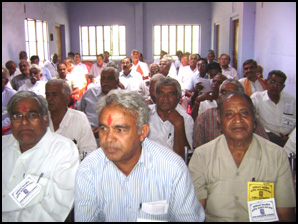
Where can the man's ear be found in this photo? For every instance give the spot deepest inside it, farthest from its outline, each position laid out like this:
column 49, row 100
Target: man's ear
column 144, row 132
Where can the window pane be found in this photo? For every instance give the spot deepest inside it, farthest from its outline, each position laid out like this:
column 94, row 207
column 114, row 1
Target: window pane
column 26, row 30
column 107, row 38
column 172, row 50
column 99, row 40
column 188, row 39
column 84, row 35
column 39, row 34
column 115, row 43
column 122, row 37
column 180, row 38
column 165, row 38
column 92, row 40
column 45, row 41
column 157, row 40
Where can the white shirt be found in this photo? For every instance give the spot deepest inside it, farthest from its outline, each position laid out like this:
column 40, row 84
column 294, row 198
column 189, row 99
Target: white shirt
column 206, row 104
column 52, row 67
column 230, row 73
column 75, row 126
column 78, row 77
column 144, row 67
column 7, row 93
column 196, row 78
column 132, row 81
column 276, row 118
column 83, row 66
column 184, row 75
column 39, row 87
column 96, row 70
column 162, row 132
column 55, row 156
column 177, row 63
column 255, row 86
column 144, row 89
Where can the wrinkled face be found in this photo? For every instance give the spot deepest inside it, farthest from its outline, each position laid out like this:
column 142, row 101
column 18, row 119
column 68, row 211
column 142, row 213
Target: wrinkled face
column 108, row 81
column 164, row 68
column 62, row 70
column 193, row 60
column 34, row 75
column 55, row 97
column 216, row 82
column 100, row 61
column 202, row 66
column 135, row 56
column 154, row 70
column 224, row 60
column 166, row 98
column 28, row 133
column 250, row 71
column 275, row 85
column 237, row 120
column 118, row 134
column 24, row 67
column 126, row 65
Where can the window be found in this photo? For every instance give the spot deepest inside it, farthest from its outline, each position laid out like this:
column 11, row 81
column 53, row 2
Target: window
column 97, row 39
column 171, row 38
column 36, row 36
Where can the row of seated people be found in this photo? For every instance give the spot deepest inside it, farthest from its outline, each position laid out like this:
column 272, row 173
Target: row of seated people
column 170, row 125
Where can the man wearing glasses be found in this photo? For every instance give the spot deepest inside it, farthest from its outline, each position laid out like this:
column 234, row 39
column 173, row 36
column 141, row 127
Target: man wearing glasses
column 276, row 110
column 38, row 166
column 131, row 79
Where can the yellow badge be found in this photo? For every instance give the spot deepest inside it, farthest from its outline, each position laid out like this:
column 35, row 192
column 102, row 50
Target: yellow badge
column 260, row 190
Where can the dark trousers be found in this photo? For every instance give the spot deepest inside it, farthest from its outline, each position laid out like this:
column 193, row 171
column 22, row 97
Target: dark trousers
column 276, row 139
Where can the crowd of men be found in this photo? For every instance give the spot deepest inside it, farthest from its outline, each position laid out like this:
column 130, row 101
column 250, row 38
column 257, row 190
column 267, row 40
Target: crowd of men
column 95, row 142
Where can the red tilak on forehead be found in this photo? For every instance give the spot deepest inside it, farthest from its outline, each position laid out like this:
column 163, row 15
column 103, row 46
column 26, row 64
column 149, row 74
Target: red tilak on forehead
column 24, row 108
column 109, row 120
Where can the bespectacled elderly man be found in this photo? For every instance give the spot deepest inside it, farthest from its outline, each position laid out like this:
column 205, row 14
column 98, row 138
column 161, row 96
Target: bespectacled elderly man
column 38, row 166
column 239, row 167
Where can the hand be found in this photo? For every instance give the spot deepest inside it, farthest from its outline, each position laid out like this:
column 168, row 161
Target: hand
column 199, row 86
column 174, row 117
column 204, row 96
column 283, row 137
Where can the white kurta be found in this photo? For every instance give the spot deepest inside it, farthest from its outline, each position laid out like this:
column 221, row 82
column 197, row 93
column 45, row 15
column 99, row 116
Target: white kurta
column 55, row 156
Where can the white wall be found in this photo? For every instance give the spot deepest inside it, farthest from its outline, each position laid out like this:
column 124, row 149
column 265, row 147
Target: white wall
column 275, row 40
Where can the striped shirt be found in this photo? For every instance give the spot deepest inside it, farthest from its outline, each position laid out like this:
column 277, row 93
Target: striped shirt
column 104, row 193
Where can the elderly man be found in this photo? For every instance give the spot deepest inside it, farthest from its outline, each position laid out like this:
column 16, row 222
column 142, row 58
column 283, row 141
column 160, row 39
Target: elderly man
column 185, row 73
column 276, row 109
column 149, row 182
column 38, row 166
column 139, row 66
column 46, row 74
column 35, row 85
column 19, row 80
column 170, row 126
column 77, row 60
column 227, row 70
column 52, row 65
column 206, row 127
column 130, row 79
column 98, row 66
column 68, row 122
column 109, row 80
column 236, row 168
column 251, row 82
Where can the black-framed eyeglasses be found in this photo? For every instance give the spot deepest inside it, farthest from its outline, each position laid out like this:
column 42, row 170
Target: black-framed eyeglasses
column 273, row 82
column 30, row 116
column 154, row 70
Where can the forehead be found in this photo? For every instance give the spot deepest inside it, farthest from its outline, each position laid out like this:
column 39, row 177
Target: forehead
column 62, row 66
column 233, row 102
column 229, row 87
column 224, row 57
column 54, row 88
column 22, row 63
column 249, row 65
column 29, row 103
column 167, row 88
column 107, row 73
column 154, row 67
column 276, row 78
column 117, row 114
column 201, row 62
column 126, row 60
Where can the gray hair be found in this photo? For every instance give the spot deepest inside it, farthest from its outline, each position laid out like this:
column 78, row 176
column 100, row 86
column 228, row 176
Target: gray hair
column 65, row 86
column 235, row 82
column 240, row 94
column 128, row 100
column 112, row 64
column 168, row 81
column 20, row 95
column 111, row 69
column 157, row 77
column 167, row 60
column 37, row 67
column 153, row 64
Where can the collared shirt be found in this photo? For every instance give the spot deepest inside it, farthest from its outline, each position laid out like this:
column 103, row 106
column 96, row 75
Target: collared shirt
column 67, row 79
column 54, row 155
column 76, row 127
column 87, row 104
column 144, row 88
column 207, row 104
column 7, row 93
column 104, row 193
column 96, row 70
column 46, row 74
column 230, row 73
column 132, row 81
column 162, row 132
column 143, row 66
column 184, row 75
column 78, row 77
column 18, row 81
column 224, row 186
column 52, row 67
column 196, row 78
column 255, row 86
column 83, row 66
column 276, row 118
column 206, row 128
column 39, row 87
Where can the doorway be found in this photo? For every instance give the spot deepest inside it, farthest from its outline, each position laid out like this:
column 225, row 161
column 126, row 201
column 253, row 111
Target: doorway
column 235, row 25
column 58, row 43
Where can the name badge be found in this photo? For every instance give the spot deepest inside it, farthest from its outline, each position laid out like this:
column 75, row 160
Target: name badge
column 25, row 191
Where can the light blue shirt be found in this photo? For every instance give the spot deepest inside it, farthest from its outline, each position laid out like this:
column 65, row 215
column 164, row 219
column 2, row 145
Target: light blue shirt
column 104, row 193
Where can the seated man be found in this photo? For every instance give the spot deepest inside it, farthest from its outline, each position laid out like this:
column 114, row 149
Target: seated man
column 227, row 69
column 35, row 85
column 38, row 166
column 130, row 79
column 52, row 65
column 251, row 82
column 130, row 176
column 225, row 169
column 170, row 126
column 206, row 127
column 138, row 65
column 68, row 122
column 276, row 110
column 19, row 80
column 46, row 74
